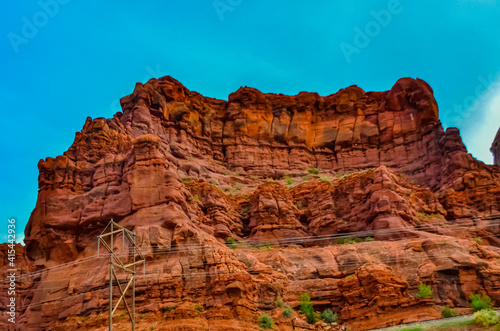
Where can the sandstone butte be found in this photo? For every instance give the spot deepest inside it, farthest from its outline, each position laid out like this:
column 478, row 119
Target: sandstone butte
column 495, row 149
column 186, row 172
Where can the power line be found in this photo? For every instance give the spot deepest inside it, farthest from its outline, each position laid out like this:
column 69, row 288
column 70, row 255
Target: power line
column 292, row 240
column 205, row 264
column 216, row 273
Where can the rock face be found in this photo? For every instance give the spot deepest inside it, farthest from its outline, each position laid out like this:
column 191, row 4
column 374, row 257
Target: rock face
column 495, row 149
column 354, row 198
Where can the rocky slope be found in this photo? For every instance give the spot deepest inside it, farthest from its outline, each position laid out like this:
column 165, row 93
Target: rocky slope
column 289, row 178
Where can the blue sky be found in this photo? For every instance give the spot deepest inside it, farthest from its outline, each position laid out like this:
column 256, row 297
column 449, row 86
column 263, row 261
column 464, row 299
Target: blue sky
column 80, row 57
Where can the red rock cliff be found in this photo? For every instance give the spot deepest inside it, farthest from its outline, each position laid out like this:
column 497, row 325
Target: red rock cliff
column 187, row 172
column 495, row 149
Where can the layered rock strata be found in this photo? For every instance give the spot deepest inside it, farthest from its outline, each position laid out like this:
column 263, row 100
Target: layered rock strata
column 495, row 149
column 354, row 198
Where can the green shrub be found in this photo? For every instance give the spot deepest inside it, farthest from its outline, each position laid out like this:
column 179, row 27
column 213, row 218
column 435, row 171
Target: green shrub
column 231, row 243
column 82, row 319
column 479, row 302
column 486, row 318
column 238, row 186
column 122, row 314
column 305, row 297
column 328, row 316
column 287, row 311
column 341, row 241
column 254, row 177
column 265, row 246
column 423, row 216
column 350, row 241
column 306, row 306
column 325, row 179
column 456, row 325
column 448, row 312
column 266, row 322
column 313, row 171
column 310, row 315
column 424, row 291
column 279, row 303
column 289, row 181
column 198, row 308
column 340, row 175
column 479, row 240
column 369, row 239
column 188, row 180
column 169, row 308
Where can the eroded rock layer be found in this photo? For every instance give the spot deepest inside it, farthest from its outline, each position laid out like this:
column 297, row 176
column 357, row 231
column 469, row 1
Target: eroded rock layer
column 495, row 149
column 355, row 198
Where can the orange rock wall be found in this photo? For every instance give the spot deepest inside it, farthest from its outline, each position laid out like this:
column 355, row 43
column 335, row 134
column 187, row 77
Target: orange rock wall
column 186, row 172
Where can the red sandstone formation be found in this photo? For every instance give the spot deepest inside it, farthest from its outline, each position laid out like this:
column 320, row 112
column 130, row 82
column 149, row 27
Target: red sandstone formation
column 495, row 149
column 187, row 172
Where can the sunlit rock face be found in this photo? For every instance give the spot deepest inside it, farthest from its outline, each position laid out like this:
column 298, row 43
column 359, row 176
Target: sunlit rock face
column 186, row 172
column 495, row 149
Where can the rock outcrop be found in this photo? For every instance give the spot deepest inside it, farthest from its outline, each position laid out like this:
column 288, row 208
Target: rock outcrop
column 354, row 198
column 495, row 149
